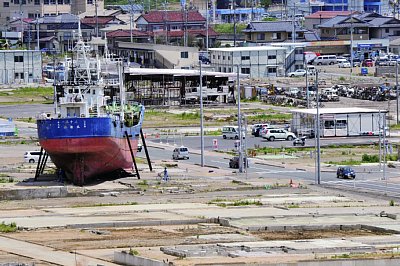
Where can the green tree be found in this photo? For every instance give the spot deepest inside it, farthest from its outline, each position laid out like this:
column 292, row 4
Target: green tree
column 265, row 3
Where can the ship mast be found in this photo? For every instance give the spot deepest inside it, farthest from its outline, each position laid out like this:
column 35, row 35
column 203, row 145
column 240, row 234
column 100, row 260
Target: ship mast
column 121, row 90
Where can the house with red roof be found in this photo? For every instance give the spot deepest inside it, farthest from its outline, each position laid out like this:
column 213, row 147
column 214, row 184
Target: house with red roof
column 174, row 27
column 101, row 21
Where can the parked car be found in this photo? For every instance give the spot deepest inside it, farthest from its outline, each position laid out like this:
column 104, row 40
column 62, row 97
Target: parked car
column 356, row 62
column 297, row 73
column 343, row 63
column 180, row 153
column 367, row 63
column 33, row 156
column 382, row 62
column 325, row 60
column 299, row 141
column 231, row 132
column 276, row 133
column 234, row 162
column 255, row 129
column 345, row 172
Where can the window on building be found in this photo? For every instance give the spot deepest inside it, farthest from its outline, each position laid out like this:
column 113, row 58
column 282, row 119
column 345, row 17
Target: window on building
column 23, row 2
column 184, row 54
column 6, row 4
column 67, row 2
column 90, row 2
column 272, row 70
column 229, row 69
column 272, row 56
column 341, row 124
column 245, row 70
column 60, row 2
column 219, row 57
column 386, row 30
column 225, row 69
column 245, row 57
column 52, row 2
column 229, row 58
column 276, row 36
column 329, row 124
column 46, row 2
column 260, row 36
column 18, row 58
column 213, row 56
column 16, row 2
column 223, row 57
column 37, row 2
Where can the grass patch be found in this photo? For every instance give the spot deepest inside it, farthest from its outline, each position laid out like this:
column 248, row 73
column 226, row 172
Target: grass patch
column 29, row 95
column 105, row 204
column 346, row 162
column 27, row 120
column 238, row 203
column 270, row 117
column 6, row 179
column 8, row 228
column 228, row 28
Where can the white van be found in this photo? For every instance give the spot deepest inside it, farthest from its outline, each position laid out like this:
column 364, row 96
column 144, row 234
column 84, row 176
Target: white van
column 231, row 132
column 180, row 153
column 325, row 60
column 33, row 156
column 311, row 69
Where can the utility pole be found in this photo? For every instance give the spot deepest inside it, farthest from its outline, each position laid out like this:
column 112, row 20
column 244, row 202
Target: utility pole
column 307, row 89
column 131, row 19
column 318, row 148
column 37, row 33
column 351, row 45
column 201, row 117
column 384, row 147
column 397, row 93
column 97, row 19
column 239, row 115
column 207, row 28
column 380, row 141
column 233, row 8
column 294, row 24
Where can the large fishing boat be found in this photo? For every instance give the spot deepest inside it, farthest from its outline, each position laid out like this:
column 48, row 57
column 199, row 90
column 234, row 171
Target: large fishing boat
column 95, row 129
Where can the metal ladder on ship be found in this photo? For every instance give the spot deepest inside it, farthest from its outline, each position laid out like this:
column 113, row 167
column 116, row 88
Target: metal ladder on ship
column 133, row 156
column 41, row 163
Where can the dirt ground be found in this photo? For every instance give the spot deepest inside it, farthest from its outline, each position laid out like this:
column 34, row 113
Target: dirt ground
column 107, row 238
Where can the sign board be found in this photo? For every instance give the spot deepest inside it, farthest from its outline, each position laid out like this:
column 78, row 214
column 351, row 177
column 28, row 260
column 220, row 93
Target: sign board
column 327, row 116
column 215, row 143
column 364, row 71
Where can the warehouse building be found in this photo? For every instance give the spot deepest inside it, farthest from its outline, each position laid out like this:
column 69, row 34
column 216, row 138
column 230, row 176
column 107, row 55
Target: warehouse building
column 336, row 122
column 20, row 66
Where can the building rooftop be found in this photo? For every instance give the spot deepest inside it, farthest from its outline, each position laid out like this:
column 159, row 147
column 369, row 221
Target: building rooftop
column 172, row 16
column 248, row 49
column 347, row 110
column 329, row 14
column 273, row 26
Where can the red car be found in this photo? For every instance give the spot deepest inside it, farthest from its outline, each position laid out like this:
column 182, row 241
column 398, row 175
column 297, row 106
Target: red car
column 367, row 63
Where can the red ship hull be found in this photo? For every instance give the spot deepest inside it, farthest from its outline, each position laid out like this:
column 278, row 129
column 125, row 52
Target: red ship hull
column 85, row 158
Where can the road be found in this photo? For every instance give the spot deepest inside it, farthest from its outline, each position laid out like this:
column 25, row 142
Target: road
column 193, row 142
column 368, row 177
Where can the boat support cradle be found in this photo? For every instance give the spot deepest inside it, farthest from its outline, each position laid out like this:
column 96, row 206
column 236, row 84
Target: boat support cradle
column 133, row 156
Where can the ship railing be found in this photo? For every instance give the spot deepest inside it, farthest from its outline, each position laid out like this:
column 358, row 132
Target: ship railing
column 111, row 81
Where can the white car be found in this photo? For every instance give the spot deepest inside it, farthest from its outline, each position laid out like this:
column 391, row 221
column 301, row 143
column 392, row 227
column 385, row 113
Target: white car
column 298, row 73
column 277, row 133
column 180, row 153
column 343, row 63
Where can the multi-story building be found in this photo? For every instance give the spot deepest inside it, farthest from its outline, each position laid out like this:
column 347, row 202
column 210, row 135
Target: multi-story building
column 10, row 10
column 258, row 61
column 20, row 66
column 312, row 6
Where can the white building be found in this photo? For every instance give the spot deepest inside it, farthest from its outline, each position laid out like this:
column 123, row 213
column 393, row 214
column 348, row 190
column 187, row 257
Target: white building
column 337, row 122
column 20, row 66
column 257, row 61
